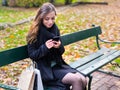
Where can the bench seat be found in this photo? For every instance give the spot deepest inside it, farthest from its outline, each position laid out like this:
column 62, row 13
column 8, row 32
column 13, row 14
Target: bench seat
column 96, row 60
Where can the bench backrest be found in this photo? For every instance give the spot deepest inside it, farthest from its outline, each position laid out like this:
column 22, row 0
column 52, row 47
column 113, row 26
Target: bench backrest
column 80, row 35
column 19, row 53
column 13, row 55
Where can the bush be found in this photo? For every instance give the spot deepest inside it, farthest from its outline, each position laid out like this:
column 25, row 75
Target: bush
column 29, row 3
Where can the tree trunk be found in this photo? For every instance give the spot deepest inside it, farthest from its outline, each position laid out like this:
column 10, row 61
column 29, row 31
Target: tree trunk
column 51, row 1
column 4, row 3
column 68, row 2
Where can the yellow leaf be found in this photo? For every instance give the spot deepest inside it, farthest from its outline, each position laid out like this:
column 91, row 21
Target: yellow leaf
column 77, row 55
column 11, row 36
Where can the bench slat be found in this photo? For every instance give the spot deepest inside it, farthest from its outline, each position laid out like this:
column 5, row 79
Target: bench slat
column 100, row 62
column 89, row 58
column 13, row 55
column 96, row 60
column 80, row 35
column 7, row 87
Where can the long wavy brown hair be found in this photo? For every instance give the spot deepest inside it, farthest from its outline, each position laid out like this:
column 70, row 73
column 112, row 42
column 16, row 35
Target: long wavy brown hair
column 44, row 10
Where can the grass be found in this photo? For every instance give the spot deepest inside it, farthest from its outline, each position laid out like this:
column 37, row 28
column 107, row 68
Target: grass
column 117, row 61
column 8, row 15
column 12, row 15
column 77, row 19
column 70, row 22
column 0, row 2
column 16, row 36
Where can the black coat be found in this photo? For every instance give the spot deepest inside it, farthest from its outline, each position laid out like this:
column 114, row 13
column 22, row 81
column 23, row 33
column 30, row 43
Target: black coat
column 42, row 55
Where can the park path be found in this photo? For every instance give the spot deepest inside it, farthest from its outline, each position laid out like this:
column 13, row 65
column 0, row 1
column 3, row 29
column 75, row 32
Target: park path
column 103, row 81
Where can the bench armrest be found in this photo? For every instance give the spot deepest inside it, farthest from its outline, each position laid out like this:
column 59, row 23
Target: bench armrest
column 106, row 41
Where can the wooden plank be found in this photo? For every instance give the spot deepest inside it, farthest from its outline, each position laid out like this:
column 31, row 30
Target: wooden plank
column 88, row 58
column 13, row 55
column 99, row 62
column 80, row 35
column 95, row 60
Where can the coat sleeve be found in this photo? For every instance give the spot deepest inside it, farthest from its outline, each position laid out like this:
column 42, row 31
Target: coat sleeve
column 61, row 49
column 37, row 53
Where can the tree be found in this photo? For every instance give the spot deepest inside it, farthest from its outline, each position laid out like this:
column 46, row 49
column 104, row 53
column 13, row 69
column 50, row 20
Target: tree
column 51, row 1
column 68, row 2
column 12, row 3
column 4, row 3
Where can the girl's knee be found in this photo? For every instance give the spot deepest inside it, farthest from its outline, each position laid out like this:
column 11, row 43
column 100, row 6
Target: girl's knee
column 77, row 79
column 81, row 78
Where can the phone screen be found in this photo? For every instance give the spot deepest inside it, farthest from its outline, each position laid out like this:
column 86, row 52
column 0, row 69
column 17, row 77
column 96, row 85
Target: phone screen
column 56, row 38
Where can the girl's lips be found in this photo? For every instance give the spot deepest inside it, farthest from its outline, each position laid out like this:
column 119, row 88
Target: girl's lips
column 50, row 25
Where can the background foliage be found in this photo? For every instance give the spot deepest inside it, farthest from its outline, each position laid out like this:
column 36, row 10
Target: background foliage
column 36, row 3
column 30, row 3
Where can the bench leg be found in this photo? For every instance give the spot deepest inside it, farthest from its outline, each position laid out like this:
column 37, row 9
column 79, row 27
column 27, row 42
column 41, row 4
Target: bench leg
column 89, row 83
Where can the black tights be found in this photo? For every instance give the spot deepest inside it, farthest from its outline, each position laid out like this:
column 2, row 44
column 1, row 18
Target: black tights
column 76, row 80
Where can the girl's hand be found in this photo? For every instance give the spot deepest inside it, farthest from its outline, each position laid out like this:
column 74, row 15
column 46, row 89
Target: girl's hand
column 49, row 43
column 57, row 44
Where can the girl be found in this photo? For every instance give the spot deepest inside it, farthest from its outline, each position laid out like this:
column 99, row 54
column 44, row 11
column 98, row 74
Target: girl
column 47, row 52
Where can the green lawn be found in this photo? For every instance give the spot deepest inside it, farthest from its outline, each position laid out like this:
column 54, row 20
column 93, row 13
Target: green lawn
column 71, row 20
column 68, row 20
column 12, row 15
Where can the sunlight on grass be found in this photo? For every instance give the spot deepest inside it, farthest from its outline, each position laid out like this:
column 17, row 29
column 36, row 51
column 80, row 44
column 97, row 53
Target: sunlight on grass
column 117, row 61
column 74, row 20
column 12, row 15
column 14, row 37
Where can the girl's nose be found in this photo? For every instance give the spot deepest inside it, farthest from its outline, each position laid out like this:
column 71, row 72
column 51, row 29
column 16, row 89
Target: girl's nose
column 50, row 21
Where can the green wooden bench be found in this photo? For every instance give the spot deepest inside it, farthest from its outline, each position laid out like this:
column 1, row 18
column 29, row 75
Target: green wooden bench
column 86, row 65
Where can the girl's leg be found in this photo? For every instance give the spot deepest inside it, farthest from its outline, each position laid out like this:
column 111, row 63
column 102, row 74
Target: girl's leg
column 77, row 80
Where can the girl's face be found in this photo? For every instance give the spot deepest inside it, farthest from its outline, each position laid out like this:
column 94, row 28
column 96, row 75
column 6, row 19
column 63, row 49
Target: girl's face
column 49, row 19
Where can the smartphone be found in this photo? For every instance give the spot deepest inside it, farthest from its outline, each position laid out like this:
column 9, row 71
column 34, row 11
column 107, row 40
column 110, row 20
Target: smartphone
column 56, row 38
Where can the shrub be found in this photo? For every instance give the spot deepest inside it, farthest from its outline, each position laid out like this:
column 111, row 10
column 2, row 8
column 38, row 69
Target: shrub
column 28, row 3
